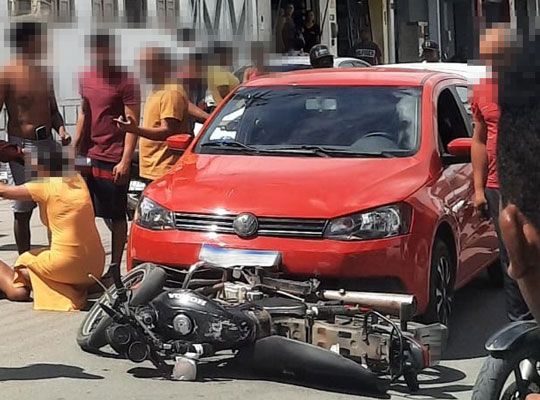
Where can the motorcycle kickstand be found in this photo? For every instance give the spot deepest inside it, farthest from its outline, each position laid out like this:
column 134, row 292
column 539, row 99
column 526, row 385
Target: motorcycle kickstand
column 411, row 379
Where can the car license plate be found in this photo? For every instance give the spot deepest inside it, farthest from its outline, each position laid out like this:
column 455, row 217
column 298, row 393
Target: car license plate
column 226, row 257
column 136, row 186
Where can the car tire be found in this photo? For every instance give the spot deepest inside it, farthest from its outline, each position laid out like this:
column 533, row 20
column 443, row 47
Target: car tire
column 150, row 279
column 496, row 274
column 441, row 287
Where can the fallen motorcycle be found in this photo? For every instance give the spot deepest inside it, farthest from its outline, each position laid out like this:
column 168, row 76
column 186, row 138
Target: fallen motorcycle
column 233, row 300
column 511, row 371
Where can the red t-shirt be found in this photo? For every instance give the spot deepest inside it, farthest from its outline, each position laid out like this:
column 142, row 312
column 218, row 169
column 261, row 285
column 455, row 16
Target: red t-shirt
column 104, row 99
column 486, row 110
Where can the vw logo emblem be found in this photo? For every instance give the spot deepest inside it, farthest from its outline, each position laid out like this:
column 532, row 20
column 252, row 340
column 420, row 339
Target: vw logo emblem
column 246, row 225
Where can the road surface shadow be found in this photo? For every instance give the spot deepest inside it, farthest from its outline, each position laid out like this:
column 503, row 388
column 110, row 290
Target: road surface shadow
column 229, row 369
column 44, row 371
column 479, row 311
column 437, row 383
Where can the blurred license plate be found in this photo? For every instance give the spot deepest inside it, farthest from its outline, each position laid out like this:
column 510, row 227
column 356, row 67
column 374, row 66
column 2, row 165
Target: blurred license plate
column 225, row 257
column 136, row 186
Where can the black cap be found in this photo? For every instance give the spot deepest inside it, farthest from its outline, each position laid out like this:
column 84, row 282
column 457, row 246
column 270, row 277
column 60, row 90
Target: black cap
column 431, row 45
column 319, row 52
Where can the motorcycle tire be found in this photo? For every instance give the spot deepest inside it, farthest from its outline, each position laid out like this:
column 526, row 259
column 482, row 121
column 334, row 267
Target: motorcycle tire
column 496, row 371
column 148, row 279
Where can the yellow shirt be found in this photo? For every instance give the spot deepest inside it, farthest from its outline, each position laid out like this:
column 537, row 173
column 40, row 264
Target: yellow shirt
column 155, row 159
column 59, row 274
column 219, row 76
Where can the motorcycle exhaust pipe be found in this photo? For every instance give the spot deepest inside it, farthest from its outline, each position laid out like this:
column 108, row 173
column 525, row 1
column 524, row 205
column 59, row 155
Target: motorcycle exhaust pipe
column 401, row 305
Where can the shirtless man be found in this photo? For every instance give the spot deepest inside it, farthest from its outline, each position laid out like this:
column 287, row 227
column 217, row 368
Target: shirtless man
column 27, row 91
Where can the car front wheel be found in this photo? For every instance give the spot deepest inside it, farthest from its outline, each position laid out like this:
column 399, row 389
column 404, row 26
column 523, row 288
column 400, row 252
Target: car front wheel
column 442, row 280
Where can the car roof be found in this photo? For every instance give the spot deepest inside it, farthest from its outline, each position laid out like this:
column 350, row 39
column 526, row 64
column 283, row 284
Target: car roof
column 473, row 73
column 304, row 60
column 375, row 76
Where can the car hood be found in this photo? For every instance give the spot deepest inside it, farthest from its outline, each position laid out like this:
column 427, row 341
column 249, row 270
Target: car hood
column 301, row 187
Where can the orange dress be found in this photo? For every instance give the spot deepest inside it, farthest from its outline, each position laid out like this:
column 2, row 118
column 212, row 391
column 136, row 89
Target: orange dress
column 59, row 274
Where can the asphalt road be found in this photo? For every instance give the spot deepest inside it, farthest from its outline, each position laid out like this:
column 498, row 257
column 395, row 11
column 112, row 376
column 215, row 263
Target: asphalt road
column 39, row 358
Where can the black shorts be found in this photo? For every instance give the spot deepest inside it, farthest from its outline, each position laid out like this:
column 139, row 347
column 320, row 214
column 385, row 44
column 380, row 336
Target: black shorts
column 109, row 199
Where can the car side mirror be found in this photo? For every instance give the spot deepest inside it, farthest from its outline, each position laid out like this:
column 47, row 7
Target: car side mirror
column 459, row 151
column 179, row 143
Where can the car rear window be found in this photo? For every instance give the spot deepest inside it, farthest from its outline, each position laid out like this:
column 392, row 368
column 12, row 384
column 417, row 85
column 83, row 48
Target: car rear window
column 363, row 120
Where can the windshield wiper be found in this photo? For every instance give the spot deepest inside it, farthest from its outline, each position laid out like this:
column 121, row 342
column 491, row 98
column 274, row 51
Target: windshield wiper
column 231, row 145
column 333, row 152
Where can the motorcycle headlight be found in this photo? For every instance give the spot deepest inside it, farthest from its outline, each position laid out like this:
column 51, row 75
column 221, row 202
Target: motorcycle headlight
column 380, row 223
column 151, row 215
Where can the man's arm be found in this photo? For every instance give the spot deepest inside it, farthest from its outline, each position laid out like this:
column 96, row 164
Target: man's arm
column 15, row 192
column 479, row 161
column 56, row 118
column 197, row 113
column 79, row 129
column 167, row 127
column 121, row 170
column 11, row 152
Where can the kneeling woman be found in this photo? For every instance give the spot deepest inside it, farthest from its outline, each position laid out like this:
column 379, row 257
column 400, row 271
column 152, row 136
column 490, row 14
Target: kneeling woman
column 57, row 276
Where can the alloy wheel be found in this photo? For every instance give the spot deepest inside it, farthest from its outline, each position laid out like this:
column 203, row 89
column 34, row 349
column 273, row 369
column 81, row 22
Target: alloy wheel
column 443, row 290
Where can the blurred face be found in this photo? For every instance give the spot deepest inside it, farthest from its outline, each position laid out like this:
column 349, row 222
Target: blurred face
column 153, row 66
column 35, row 46
column 103, row 56
column 431, row 55
column 492, row 44
column 290, row 10
column 311, row 16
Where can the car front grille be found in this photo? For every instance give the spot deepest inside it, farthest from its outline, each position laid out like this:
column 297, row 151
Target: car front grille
column 284, row 227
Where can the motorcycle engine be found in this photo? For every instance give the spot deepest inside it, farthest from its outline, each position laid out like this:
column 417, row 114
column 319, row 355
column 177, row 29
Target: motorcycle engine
column 191, row 317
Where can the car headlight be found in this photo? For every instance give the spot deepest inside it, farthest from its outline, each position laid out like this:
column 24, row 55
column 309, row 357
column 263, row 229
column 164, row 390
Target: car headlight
column 380, row 223
column 151, row 215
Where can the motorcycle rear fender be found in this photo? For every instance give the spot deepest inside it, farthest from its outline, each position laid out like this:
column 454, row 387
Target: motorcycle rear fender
column 513, row 335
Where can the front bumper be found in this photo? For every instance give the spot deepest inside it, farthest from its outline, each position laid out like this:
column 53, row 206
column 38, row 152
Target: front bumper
column 388, row 259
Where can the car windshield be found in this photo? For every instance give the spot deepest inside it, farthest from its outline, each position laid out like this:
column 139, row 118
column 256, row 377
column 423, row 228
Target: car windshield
column 317, row 121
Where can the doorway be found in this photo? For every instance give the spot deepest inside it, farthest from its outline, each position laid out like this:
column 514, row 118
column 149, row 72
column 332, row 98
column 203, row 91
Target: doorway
column 352, row 17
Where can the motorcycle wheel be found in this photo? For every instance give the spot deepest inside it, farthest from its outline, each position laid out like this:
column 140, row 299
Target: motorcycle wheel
column 146, row 282
column 495, row 380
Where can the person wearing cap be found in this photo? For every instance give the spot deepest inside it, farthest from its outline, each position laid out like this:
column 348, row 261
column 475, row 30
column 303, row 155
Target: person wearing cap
column 430, row 51
column 320, row 57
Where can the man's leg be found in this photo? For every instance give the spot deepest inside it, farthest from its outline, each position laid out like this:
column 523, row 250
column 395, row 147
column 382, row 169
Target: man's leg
column 21, row 229
column 119, row 237
column 12, row 292
column 515, row 305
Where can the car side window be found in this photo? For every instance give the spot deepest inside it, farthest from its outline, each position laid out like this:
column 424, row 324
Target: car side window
column 346, row 64
column 463, row 94
column 450, row 122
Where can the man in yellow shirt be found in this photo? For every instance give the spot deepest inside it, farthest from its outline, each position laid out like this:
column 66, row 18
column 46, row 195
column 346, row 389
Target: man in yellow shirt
column 220, row 81
column 165, row 114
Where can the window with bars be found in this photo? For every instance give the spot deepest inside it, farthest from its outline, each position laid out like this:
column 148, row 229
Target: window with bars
column 104, row 10
column 136, row 11
column 167, row 9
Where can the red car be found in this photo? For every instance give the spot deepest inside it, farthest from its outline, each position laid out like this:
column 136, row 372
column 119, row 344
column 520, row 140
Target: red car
column 357, row 177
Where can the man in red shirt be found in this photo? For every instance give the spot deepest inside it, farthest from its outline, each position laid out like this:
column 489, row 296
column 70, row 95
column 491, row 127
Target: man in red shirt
column 108, row 92
column 486, row 112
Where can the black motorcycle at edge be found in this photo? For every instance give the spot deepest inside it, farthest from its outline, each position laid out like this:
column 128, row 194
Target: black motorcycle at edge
column 511, row 371
column 270, row 324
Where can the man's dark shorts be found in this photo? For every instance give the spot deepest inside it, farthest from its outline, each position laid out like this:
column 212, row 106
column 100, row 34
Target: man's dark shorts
column 109, row 199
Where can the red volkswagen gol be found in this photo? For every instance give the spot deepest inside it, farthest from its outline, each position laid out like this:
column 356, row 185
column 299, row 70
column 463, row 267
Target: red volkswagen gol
column 357, row 177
